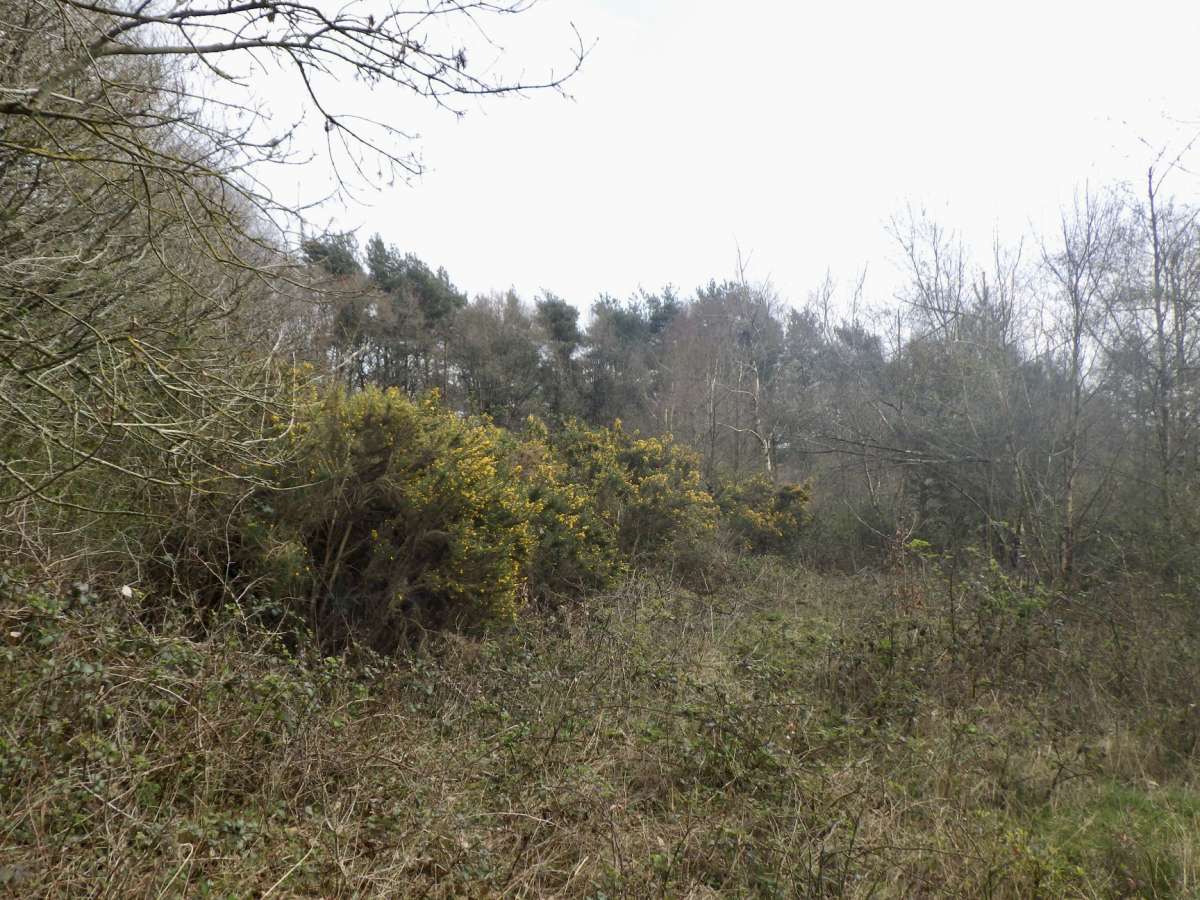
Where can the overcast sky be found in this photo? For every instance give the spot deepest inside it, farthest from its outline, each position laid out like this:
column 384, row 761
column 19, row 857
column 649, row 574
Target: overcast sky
column 794, row 130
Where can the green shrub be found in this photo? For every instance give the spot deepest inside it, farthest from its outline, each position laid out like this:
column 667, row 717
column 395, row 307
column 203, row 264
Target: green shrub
column 763, row 517
column 393, row 510
column 647, row 490
column 393, row 514
column 576, row 545
column 668, row 507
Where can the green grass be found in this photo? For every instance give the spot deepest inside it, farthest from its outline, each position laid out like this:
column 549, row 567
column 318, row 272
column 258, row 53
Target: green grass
column 1131, row 839
column 793, row 735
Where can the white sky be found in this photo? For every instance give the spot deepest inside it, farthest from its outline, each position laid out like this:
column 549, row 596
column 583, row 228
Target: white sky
column 792, row 129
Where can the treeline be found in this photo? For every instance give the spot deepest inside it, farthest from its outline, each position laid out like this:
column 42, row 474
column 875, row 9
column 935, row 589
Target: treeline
column 1038, row 407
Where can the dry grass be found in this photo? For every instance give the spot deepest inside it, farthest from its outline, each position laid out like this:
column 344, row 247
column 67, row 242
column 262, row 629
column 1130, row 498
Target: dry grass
column 796, row 736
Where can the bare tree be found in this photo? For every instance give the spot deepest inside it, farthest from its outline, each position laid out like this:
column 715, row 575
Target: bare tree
column 1173, row 302
column 1084, row 269
column 77, row 62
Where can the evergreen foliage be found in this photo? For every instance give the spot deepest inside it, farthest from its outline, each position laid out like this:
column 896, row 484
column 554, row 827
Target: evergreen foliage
column 393, row 514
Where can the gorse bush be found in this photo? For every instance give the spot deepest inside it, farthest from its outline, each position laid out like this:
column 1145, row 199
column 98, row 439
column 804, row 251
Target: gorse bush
column 667, row 505
column 393, row 511
column 760, row 516
column 576, row 544
column 648, row 494
column 394, row 514
column 647, row 490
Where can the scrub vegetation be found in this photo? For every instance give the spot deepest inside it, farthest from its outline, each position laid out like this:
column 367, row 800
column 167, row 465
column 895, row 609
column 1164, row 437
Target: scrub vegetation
column 319, row 578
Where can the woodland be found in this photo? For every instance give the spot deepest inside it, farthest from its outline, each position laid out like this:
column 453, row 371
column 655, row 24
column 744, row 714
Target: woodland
column 319, row 577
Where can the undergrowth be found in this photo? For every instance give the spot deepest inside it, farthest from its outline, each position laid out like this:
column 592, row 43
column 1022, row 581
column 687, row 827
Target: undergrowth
column 792, row 735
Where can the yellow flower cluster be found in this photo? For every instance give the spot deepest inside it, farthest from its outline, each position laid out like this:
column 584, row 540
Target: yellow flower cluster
column 395, row 507
column 762, row 516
